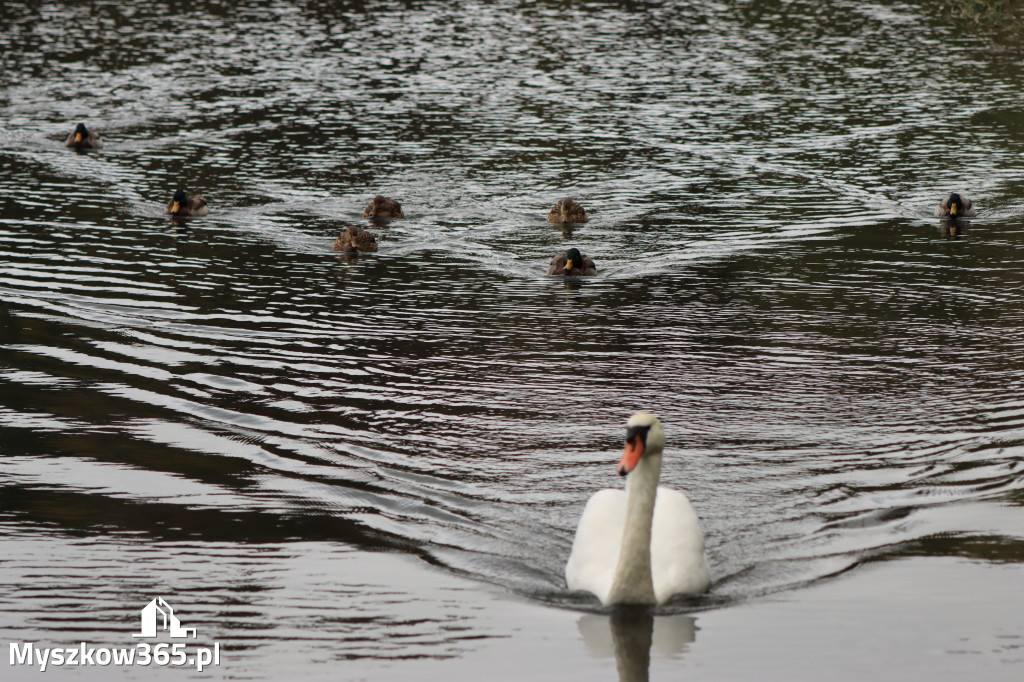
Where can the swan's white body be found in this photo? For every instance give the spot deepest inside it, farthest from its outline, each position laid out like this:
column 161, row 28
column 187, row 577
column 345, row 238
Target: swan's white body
column 642, row 545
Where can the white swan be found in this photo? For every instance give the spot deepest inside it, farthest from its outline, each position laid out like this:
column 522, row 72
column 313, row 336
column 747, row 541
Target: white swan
column 642, row 545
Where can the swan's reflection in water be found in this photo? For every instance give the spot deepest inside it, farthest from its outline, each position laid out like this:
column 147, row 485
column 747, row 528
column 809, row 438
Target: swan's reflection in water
column 632, row 636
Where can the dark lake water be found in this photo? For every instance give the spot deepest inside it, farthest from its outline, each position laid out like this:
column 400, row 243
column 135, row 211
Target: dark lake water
column 371, row 466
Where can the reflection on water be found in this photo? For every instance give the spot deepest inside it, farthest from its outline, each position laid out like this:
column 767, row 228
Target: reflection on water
column 633, row 636
column 836, row 373
column 953, row 228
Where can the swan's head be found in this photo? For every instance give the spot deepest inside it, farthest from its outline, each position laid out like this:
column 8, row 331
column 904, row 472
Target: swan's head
column 643, row 435
column 956, row 205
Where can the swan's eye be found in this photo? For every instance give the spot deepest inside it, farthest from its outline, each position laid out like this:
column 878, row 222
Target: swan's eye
column 637, row 432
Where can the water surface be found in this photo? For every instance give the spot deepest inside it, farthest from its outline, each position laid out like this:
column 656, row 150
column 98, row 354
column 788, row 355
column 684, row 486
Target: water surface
column 227, row 411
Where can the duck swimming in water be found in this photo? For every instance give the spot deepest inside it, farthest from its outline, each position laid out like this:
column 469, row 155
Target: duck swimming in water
column 572, row 262
column 955, row 206
column 355, row 239
column 383, row 207
column 83, row 139
column 184, row 205
column 567, row 211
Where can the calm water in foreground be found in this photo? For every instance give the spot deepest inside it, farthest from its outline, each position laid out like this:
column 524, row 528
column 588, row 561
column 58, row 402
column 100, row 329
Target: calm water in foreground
column 372, row 467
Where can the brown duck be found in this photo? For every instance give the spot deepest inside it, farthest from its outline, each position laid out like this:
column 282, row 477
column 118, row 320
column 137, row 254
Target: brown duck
column 184, row 205
column 83, row 139
column 354, row 239
column 567, row 211
column 572, row 262
column 955, row 206
column 382, row 207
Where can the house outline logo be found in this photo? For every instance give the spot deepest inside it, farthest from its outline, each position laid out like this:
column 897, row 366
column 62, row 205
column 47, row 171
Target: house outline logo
column 170, row 621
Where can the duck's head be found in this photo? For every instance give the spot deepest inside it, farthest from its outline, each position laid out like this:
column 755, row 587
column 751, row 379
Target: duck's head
column 573, row 259
column 956, row 205
column 80, row 132
column 178, row 201
column 643, row 435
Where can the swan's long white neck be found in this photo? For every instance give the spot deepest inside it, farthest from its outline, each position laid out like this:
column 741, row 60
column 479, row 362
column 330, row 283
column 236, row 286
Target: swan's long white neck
column 633, row 583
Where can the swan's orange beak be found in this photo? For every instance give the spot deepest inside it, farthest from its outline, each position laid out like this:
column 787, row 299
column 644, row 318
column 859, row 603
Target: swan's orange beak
column 634, row 448
column 175, row 207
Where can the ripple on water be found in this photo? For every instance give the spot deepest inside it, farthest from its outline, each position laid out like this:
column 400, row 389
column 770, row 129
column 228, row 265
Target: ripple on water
column 835, row 375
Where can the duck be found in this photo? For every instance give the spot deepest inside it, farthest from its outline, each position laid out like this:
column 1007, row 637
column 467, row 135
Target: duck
column 354, row 239
column 642, row 545
column 184, row 205
column 83, row 139
column 572, row 262
column 955, row 206
column 383, row 207
column 567, row 211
